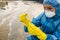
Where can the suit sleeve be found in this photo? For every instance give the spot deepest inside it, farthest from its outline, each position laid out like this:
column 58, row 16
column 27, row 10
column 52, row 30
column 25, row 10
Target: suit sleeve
column 55, row 35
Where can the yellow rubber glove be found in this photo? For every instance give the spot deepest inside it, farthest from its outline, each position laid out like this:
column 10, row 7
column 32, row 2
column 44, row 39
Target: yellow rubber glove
column 32, row 29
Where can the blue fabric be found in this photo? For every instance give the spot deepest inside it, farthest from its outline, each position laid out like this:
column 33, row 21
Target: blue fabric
column 25, row 29
column 51, row 37
column 32, row 37
column 50, row 26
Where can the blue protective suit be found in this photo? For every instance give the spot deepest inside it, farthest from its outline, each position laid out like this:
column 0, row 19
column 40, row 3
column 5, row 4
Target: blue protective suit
column 50, row 26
